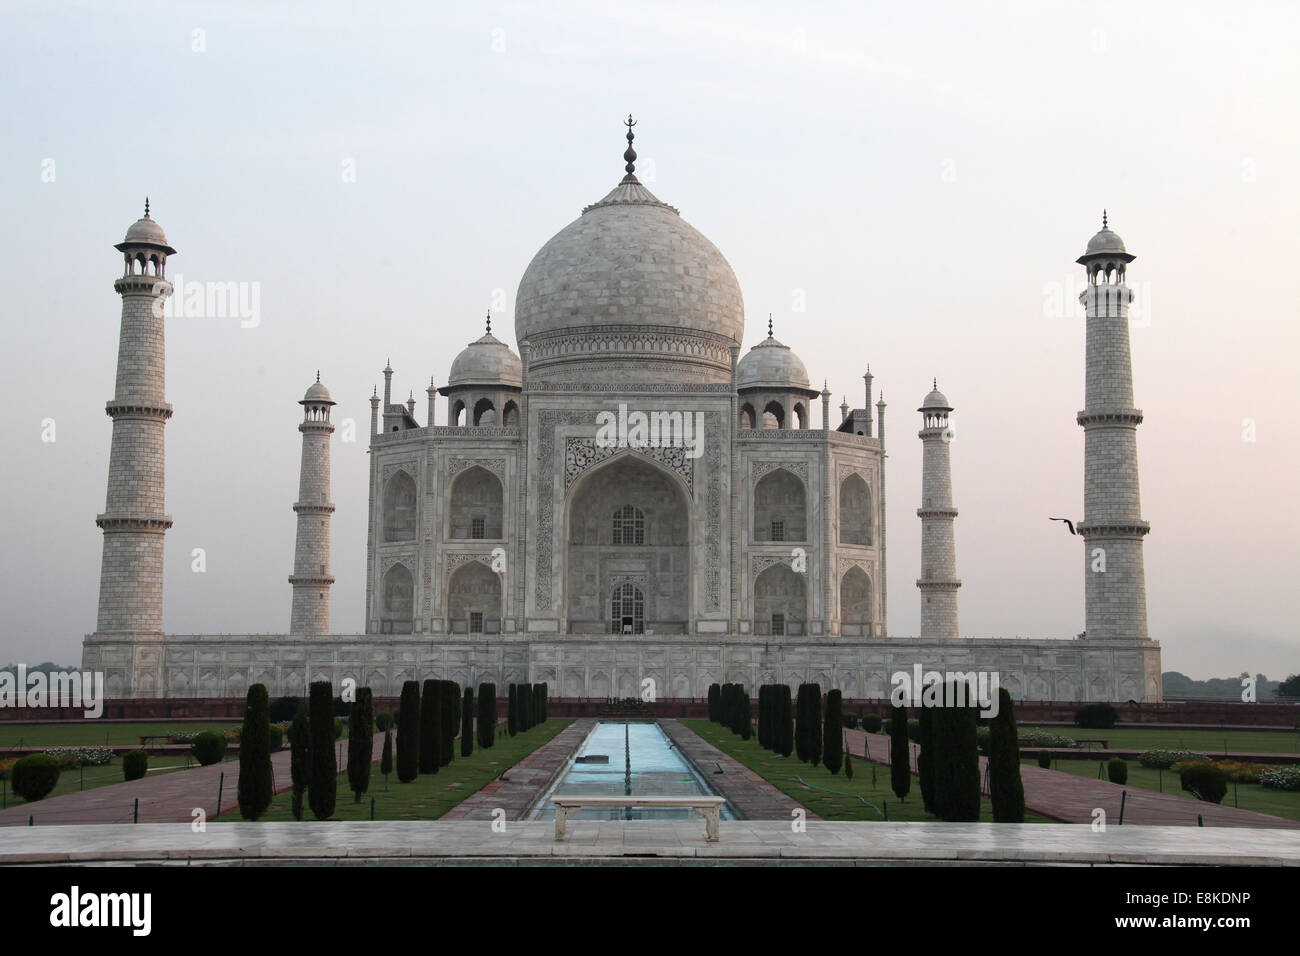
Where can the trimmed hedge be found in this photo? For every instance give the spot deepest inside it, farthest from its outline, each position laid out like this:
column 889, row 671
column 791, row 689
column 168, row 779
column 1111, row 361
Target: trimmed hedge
column 872, row 723
column 1164, row 759
column 135, row 764
column 1117, row 771
column 209, row 747
column 1045, row 759
column 34, row 776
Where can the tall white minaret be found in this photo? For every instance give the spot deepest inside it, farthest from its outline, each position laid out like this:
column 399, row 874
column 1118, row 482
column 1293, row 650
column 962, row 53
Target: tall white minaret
column 311, row 578
column 938, row 581
column 1115, row 595
column 134, row 522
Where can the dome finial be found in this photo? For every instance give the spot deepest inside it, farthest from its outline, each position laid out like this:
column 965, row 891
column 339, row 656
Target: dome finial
column 934, row 383
column 1104, row 223
column 769, row 325
column 629, row 154
column 146, row 207
column 317, row 376
column 489, row 322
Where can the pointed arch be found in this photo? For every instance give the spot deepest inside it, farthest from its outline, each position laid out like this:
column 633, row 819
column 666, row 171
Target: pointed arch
column 780, row 601
column 474, row 599
column 855, row 511
column 855, row 603
column 780, row 507
column 399, row 508
column 476, row 505
column 398, row 600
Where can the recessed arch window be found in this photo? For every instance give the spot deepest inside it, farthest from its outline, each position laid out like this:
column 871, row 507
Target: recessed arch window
column 629, row 525
column 627, row 610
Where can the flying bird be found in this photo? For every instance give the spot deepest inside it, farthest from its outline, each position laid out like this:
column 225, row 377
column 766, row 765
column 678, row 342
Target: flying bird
column 1068, row 523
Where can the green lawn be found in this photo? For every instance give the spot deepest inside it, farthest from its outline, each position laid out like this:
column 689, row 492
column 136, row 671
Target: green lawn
column 1208, row 742
column 1250, row 796
column 98, row 733
column 428, row 796
column 796, row 779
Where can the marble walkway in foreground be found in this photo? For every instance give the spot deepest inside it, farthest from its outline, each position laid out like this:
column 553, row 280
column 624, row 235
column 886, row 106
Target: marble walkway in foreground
column 645, row 842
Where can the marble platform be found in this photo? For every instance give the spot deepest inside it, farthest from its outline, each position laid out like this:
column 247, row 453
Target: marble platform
column 650, row 842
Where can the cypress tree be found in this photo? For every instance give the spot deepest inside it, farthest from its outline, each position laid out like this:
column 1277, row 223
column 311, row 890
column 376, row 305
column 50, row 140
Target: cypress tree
column 833, row 732
column 539, row 703
column 487, row 714
column 801, row 723
column 762, row 716
column 408, row 732
column 449, row 694
column 925, row 756
column 746, row 715
column 512, row 717
column 299, row 755
column 900, row 753
column 467, row 723
column 431, row 726
column 956, row 761
column 322, row 787
column 386, row 759
column 1006, row 791
column 784, row 736
column 546, row 702
column 255, row 754
column 361, row 742
column 815, row 731
column 715, row 694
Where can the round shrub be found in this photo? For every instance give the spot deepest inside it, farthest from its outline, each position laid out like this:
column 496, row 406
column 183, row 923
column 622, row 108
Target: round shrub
column 982, row 738
column 1096, row 716
column 34, row 776
column 340, row 728
column 209, row 747
column 135, row 763
column 1117, row 770
column 872, row 723
column 1045, row 759
column 277, row 737
column 384, row 721
column 850, row 721
column 1205, row 781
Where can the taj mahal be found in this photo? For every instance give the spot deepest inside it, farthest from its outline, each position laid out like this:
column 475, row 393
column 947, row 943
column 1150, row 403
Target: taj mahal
column 731, row 528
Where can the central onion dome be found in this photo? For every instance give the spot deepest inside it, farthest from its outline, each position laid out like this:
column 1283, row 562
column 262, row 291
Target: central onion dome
column 629, row 291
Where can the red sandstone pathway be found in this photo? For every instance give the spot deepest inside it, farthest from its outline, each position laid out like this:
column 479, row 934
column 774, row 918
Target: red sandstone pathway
column 166, row 798
column 1070, row 799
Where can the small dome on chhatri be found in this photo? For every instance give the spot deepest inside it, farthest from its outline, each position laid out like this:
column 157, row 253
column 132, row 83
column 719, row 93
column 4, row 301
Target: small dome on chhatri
column 935, row 401
column 317, row 394
column 486, row 361
column 1106, row 242
column 144, row 231
column 769, row 364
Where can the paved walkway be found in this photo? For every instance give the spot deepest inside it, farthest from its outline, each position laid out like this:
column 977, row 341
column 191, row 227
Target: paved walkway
column 752, row 796
column 519, row 787
column 1072, row 799
column 164, row 798
column 651, row 842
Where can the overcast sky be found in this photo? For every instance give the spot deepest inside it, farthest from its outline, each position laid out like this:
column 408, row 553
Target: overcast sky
column 921, row 175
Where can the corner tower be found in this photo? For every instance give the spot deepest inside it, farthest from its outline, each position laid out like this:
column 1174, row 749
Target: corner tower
column 1112, row 528
column 938, row 581
column 311, row 578
column 134, row 523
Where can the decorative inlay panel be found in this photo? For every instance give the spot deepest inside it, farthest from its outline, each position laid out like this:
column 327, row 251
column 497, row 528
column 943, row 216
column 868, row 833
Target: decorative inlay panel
column 761, row 468
column 581, row 453
column 495, row 465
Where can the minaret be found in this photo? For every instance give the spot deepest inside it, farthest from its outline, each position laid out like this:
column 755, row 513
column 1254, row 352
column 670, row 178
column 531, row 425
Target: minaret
column 1112, row 528
column 311, row 578
column 826, row 407
column 134, row 523
column 432, row 394
column 868, row 379
column 938, row 581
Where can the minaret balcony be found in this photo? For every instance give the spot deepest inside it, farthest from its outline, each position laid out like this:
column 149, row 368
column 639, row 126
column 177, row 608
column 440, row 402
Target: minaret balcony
column 1109, row 415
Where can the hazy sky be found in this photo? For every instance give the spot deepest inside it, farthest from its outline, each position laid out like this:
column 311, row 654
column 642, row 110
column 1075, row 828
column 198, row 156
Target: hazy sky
column 922, row 175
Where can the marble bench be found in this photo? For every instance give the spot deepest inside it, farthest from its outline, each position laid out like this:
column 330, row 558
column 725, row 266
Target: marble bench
column 709, row 807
